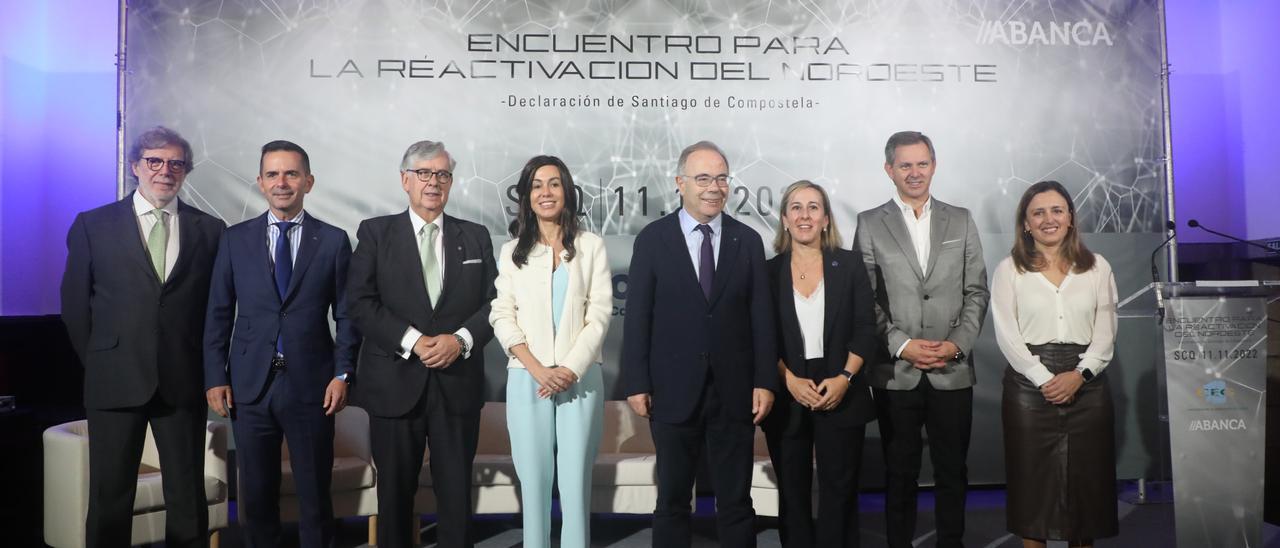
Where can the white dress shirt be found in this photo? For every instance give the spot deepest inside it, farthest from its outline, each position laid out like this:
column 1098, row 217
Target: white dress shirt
column 693, row 238
column 411, row 334
column 142, row 208
column 811, row 311
column 918, row 228
column 1028, row 309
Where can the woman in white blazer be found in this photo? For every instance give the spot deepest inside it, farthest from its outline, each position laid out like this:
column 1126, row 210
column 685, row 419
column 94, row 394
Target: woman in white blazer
column 554, row 301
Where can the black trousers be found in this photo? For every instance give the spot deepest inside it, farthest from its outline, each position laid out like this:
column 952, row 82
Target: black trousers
column 116, row 437
column 728, row 442
column 947, row 417
column 793, row 446
column 259, row 427
column 398, row 445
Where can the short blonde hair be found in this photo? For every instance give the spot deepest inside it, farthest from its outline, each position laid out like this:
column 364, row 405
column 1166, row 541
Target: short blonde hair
column 830, row 237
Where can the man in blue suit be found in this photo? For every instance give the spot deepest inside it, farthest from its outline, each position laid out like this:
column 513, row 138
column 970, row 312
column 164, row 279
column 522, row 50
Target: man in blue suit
column 270, row 361
column 699, row 357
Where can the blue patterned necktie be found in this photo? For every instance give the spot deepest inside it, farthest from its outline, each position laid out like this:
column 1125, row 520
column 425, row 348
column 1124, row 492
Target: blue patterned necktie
column 284, row 270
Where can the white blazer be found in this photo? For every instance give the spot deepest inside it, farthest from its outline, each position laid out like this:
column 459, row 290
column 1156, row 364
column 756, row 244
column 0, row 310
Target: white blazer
column 521, row 313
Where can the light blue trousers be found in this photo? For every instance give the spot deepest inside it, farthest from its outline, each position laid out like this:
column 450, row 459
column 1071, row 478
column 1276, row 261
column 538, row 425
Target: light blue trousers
column 555, row 437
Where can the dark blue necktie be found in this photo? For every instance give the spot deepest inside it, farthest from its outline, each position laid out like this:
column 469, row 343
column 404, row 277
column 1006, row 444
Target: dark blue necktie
column 707, row 263
column 284, row 271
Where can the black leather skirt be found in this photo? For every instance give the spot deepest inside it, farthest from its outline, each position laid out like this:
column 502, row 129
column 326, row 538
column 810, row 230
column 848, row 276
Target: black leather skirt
column 1059, row 459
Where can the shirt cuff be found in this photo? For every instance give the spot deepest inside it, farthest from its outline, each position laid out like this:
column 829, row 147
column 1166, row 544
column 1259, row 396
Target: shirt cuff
column 1094, row 365
column 898, row 354
column 409, row 339
column 1038, row 375
column 466, row 336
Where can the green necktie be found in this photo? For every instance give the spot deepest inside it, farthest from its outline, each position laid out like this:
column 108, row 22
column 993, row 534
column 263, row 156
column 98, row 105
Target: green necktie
column 430, row 266
column 158, row 240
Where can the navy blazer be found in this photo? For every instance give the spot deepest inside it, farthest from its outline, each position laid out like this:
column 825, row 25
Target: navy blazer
column 246, row 313
column 673, row 336
column 388, row 295
column 137, row 336
column 849, row 326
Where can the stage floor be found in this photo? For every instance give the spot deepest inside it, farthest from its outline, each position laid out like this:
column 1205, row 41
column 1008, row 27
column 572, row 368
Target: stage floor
column 1147, row 526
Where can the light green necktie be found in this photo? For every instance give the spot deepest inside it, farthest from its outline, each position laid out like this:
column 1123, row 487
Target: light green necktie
column 158, row 241
column 430, row 265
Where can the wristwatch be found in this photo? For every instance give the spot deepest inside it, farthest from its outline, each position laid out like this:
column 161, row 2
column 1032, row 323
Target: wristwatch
column 462, row 343
column 1085, row 373
column 847, row 375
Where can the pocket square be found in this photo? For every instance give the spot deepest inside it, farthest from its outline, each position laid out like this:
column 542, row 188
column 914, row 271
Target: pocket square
column 949, row 242
column 472, row 261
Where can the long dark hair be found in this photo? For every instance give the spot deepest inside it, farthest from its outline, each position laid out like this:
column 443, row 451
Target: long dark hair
column 1025, row 256
column 524, row 228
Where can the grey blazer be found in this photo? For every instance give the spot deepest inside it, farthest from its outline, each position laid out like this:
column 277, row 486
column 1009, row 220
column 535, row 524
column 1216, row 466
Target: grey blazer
column 950, row 303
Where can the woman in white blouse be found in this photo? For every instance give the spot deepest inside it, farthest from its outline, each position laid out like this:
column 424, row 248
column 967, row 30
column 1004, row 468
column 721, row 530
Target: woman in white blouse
column 553, row 305
column 1054, row 306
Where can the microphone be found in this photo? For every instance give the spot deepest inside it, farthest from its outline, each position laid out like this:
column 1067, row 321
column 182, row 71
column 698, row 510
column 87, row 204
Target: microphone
column 1155, row 272
column 1196, row 224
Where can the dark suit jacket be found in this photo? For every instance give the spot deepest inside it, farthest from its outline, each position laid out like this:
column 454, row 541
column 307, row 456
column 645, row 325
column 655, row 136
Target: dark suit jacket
column 243, row 293
column 849, row 325
column 387, row 294
column 673, row 336
column 135, row 335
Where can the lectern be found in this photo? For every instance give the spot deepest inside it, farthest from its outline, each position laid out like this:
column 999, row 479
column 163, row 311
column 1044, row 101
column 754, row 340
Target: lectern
column 1215, row 354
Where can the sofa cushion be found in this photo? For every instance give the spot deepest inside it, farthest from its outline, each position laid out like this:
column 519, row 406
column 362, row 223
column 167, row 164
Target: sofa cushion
column 488, row 469
column 150, row 495
column 349, row 474
column 625, row 469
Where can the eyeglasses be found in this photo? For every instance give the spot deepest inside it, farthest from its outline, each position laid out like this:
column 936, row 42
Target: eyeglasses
column 175, row 166
column 442, row 176
column 706, row 180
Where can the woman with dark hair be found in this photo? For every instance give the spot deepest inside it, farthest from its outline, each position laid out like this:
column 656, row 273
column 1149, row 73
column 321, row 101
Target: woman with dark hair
column 826, row 329
column 553, row 305
column 1054, row 306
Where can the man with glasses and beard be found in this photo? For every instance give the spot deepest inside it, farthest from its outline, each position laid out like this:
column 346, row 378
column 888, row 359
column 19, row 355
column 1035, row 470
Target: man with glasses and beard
column 133, row 299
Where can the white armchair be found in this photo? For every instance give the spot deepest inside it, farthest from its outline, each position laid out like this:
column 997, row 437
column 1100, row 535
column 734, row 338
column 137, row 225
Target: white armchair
column 66, row 485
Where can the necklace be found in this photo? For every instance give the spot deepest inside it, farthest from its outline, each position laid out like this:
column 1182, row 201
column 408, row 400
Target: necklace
column 804, row 270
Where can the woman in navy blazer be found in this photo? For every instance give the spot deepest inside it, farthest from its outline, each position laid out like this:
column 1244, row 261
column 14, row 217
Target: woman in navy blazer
column 826, row 329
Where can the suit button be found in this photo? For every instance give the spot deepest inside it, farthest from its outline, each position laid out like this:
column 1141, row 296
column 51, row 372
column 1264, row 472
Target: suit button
column 708, row 316
column 283, row 314
column 926, row 297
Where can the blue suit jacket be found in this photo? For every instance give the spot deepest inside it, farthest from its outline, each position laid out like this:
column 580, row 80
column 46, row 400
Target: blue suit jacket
column 246, row 313
column 674, row 336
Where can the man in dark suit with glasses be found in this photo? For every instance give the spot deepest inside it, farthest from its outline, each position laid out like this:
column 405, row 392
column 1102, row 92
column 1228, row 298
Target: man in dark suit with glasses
column 133, row 298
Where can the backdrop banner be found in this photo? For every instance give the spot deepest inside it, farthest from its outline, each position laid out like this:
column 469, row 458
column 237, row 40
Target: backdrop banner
column 1011, row 93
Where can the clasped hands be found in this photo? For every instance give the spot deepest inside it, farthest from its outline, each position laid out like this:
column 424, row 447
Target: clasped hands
column 1061, row 389
column 551, row 380
column 926, row 355
column 823, row 396
column 437, row 352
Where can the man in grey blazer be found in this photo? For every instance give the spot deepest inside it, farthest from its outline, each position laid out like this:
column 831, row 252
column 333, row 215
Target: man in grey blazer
column 925, row 263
